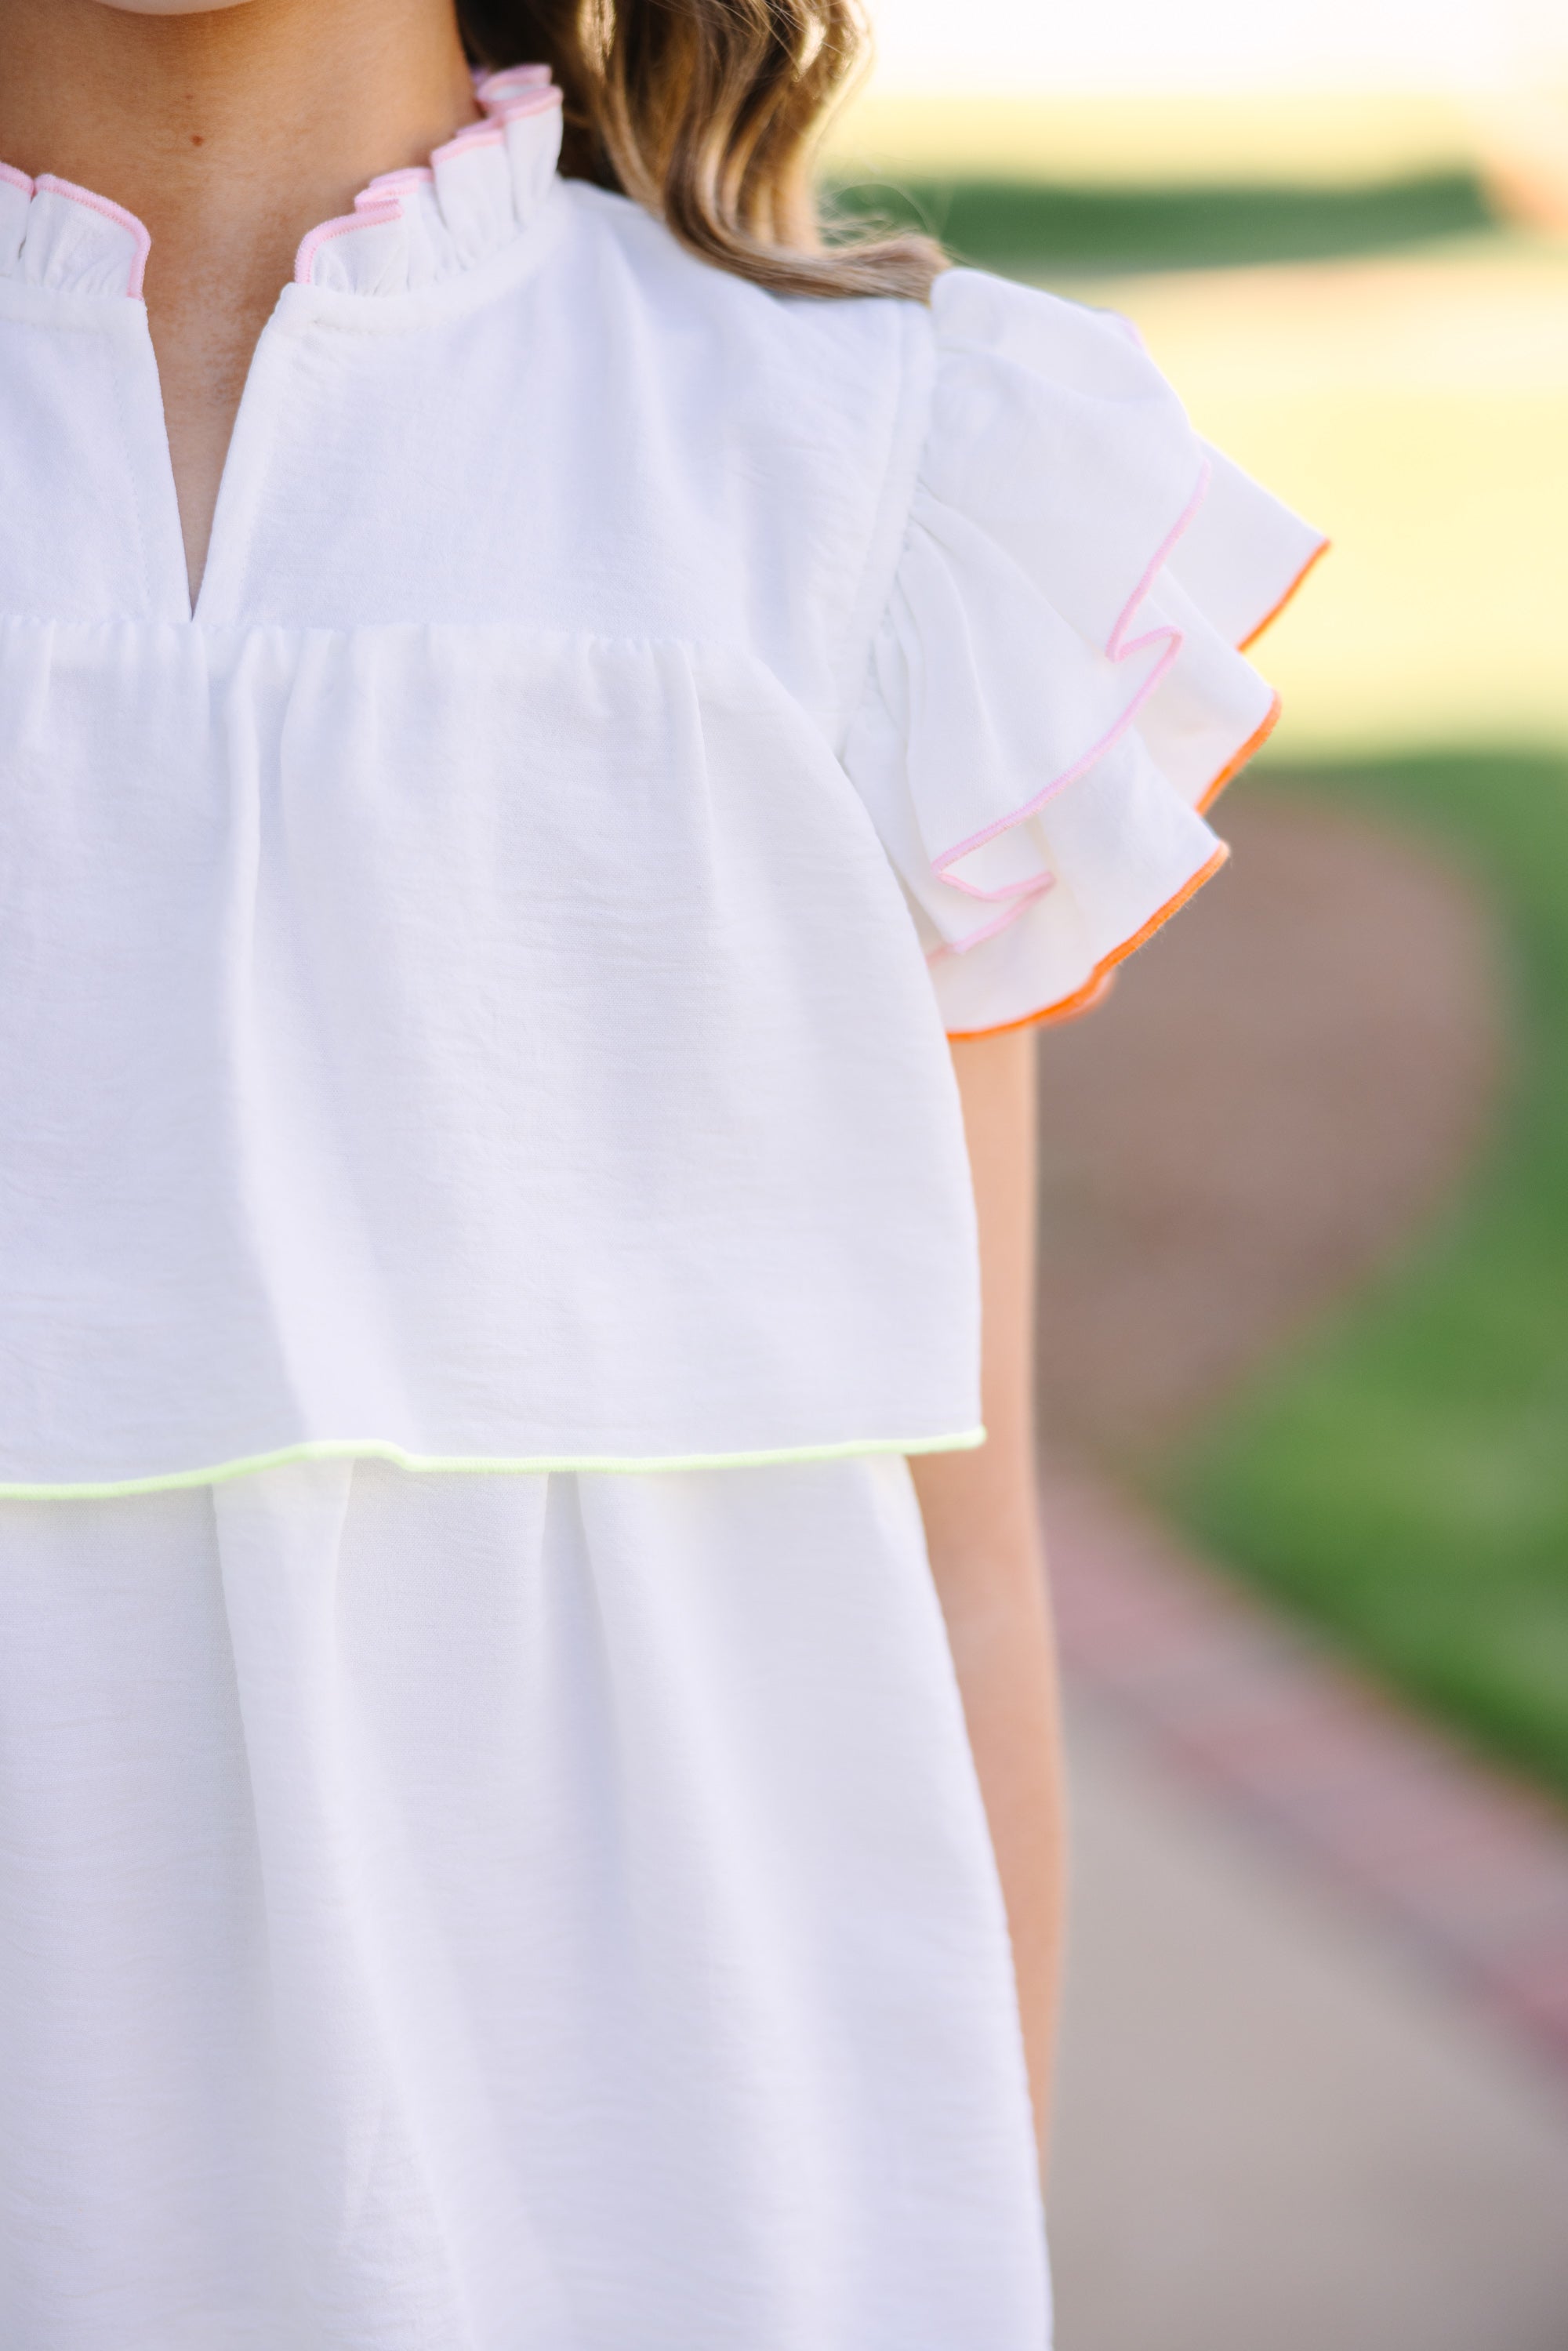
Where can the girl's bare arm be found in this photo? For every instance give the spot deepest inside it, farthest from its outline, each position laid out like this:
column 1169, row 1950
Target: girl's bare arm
column 982, row 1528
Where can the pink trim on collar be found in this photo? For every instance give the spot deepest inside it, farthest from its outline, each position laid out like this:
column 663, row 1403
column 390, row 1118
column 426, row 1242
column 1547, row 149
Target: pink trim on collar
column 527, row 101
column 380, row 214
column 141, row 236
column 508, row 96
column 531, row 102
column 389, row 184
column 472, row 135
column 497, row 89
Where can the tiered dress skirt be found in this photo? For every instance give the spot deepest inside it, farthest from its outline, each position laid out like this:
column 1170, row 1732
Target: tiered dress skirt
column 500, row 1912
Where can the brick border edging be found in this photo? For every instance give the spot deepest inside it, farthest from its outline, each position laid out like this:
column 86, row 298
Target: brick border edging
column 1467, row 1864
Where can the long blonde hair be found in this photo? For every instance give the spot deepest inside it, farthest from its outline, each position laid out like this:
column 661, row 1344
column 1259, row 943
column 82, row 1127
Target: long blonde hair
column 705, row 111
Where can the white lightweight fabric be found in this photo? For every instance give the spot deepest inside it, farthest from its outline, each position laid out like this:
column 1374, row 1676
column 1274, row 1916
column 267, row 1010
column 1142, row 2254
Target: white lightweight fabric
column 499, row 1914
column 1056, row 691
column 472, row 993
column 465, row 991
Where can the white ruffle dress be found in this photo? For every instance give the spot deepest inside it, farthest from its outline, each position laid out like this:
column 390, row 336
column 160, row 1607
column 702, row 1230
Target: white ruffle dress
column 489, row 1859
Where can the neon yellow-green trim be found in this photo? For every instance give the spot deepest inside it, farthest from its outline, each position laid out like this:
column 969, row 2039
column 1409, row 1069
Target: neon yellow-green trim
column 377, row 1448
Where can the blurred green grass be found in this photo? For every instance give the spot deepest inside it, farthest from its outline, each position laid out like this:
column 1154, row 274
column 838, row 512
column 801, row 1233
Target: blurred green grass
column 1039, row 229
column 1402, row 1480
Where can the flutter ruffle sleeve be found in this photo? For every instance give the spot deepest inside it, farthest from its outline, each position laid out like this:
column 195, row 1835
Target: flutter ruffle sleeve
column 1057, row 689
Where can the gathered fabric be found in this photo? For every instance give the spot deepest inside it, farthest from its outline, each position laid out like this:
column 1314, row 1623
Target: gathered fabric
column 473, row 989
column 500, row 1913
column 409, row 1045
column 491, row 1853
column 1058, row 690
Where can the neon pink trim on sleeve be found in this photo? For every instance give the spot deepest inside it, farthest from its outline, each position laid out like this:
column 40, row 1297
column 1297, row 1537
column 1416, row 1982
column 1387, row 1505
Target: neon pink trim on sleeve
column 141, row 236
column 14, row 179
column 1118, row 647
column 1021, row 896
column 1095, row 986
column 1114, row 644
column 380, row 214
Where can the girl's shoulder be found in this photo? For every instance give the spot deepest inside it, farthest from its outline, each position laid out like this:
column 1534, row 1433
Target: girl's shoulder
column 1036, row 417
column 976, row 329
column 1010, row 576
column 823, row 358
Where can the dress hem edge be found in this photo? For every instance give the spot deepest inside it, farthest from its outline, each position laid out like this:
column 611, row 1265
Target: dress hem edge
column 350, row 1448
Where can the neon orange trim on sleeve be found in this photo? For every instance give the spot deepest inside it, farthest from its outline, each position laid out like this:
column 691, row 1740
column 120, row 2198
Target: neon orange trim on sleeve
column 1096, row 986
column 1233, row 768
column 1066, row 1007
column 1274, row 612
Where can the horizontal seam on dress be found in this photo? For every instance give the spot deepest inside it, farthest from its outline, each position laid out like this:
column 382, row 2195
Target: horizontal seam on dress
column 372, row 1448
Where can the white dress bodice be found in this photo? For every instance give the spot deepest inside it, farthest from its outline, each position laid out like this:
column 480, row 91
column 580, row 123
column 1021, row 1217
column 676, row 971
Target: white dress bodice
column 474, row 991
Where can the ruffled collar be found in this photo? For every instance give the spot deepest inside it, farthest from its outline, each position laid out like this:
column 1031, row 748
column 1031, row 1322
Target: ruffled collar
column 408, row 229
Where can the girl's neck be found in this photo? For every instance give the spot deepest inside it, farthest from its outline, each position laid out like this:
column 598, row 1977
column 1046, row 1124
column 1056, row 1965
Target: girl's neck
column 230, row 134
column 233, row 130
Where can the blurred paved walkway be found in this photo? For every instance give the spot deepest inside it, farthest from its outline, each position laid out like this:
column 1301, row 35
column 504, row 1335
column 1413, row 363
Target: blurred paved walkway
column 1313, row 2097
